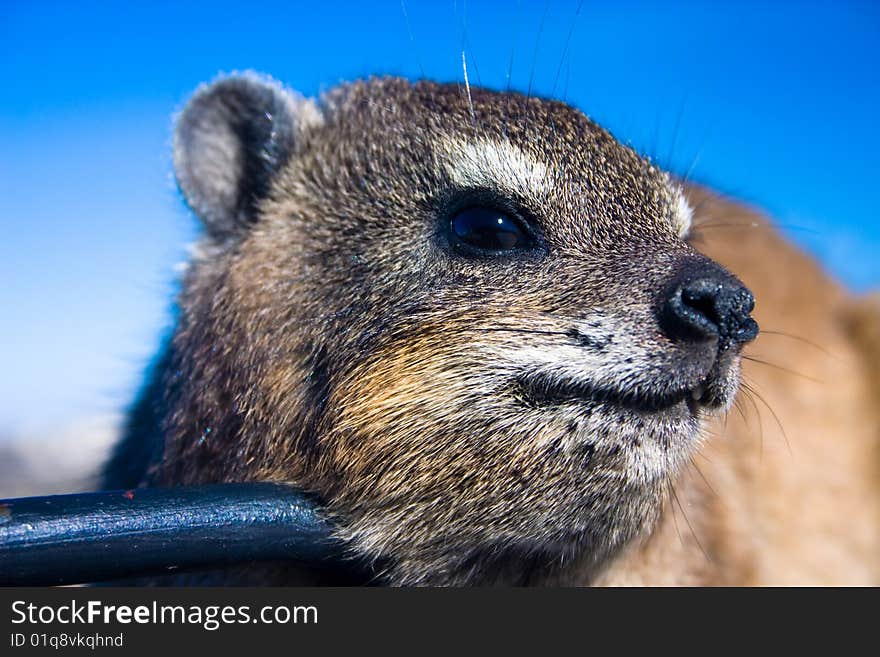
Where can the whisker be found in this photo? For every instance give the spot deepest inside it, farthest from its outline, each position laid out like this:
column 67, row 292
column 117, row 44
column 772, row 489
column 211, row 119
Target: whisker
column 567, row 80
column 700, row 451
column 512, row 50
column 567, row 44
column 467, row 86
column 537, row 45
column 738, row 406
column 466, row 42
column 694, row 161
column 757, row 224
column 412, row 39
column 751, row 387
column 702, row 476
column 510, row 70
column 668, row 491
column 690, row 526
column 800, row 339
column 675, row 128
column 733, row 224
column 782, row 369
column 668, row 495
column 747, row 394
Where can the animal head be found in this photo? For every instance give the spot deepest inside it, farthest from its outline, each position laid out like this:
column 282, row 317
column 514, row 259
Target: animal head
column 471, row 321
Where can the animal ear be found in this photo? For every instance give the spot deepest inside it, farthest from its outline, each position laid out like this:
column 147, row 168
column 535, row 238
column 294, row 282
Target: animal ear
column 231, row 139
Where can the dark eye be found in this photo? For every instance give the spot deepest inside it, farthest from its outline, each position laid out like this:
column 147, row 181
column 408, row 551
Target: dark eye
column 486, row 230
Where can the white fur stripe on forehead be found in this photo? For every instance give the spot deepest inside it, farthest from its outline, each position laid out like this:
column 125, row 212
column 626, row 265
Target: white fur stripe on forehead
column 495, row 165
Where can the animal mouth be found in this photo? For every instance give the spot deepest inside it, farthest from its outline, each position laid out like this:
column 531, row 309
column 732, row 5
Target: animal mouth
column 541, row 389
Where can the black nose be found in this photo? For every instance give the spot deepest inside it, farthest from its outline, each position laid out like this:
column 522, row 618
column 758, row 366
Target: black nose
column 709, row 303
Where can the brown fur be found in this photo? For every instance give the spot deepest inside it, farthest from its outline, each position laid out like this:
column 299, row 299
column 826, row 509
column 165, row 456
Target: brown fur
column 329, row 337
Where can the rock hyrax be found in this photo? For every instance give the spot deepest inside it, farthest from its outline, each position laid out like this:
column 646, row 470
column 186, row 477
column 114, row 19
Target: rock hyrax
column 472, row 322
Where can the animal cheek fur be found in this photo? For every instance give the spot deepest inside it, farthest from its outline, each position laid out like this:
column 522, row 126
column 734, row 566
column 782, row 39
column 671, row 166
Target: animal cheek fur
column 412, row 485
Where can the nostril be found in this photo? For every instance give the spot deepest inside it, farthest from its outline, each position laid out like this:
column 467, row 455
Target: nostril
column 709, row 307
column 702, row 301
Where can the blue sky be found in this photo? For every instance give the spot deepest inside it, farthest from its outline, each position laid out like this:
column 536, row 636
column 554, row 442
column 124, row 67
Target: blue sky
column 775, row 104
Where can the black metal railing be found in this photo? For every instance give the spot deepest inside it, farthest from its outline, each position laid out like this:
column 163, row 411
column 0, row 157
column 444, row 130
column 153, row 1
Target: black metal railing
column 93, row 537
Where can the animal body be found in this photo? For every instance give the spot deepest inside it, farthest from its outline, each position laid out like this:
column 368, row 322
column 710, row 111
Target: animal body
column 504, row 348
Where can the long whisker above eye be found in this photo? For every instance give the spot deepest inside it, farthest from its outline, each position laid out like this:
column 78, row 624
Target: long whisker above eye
column 740, row 225
column 685, row 179
column 752, row 225
column 467, row 86
column 412, row 38
column 567, row 44
column 537, row 46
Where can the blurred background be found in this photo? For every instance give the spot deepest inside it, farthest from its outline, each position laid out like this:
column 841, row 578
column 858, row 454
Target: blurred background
column 775, row 104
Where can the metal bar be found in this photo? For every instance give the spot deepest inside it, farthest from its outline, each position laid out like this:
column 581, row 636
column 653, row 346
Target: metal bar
column 91, row 537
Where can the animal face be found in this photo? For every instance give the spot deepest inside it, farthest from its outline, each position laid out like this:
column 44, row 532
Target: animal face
column 469, row 320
